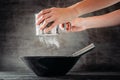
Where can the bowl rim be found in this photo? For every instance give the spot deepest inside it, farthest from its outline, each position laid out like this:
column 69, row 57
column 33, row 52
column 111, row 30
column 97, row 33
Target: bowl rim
column 47, row 57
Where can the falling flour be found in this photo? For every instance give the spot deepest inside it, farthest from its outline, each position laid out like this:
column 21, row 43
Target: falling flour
column 49, row 41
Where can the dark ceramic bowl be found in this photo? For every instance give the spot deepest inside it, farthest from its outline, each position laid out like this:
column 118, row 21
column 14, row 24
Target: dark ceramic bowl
column 50, row 65
column 54, row 65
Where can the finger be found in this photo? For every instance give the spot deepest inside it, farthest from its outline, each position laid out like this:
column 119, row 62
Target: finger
column 42, row 18
column 48, row 20
column 51, row 27
column 67, row 27
column 75, row 29
column 70, row 26
column 43, row 12
column 39, row 21
column 71, row 29
column 61, row 26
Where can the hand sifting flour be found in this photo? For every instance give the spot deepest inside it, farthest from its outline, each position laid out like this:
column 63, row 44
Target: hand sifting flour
column 47, row 39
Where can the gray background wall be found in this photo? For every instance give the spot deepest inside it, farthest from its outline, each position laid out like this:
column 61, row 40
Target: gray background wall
column 17, row 38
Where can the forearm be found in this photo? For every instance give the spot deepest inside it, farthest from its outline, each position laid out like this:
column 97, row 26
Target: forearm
column 107, row 20
column 87, row 6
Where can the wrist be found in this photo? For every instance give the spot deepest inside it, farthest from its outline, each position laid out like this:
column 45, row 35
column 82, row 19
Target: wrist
column 91, row 22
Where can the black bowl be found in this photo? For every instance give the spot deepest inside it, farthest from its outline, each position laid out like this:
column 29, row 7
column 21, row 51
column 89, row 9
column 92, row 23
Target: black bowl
column 54, row 65
column 50, row 65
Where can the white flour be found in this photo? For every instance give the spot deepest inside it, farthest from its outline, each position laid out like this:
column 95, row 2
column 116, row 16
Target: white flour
column 49, row 41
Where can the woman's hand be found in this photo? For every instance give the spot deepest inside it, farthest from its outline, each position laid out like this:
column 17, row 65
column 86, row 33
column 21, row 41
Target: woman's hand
column 106, row 20
column 75, row 25
column 56, row 15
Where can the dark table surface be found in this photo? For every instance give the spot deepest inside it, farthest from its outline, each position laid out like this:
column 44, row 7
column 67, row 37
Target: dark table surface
column 69, row 76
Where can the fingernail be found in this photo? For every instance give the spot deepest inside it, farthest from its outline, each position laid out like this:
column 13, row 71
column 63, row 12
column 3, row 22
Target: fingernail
column 46, row 30
column 37, row 23
column 40, row 17
column 37, row 16
column 41, row 28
